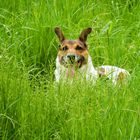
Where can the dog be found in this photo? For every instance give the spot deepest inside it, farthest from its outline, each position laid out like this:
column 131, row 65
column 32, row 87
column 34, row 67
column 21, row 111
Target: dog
column 73, row 60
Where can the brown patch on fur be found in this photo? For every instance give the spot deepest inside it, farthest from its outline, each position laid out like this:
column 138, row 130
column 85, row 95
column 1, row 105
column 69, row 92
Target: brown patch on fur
column 101, row 72
column 121, row 76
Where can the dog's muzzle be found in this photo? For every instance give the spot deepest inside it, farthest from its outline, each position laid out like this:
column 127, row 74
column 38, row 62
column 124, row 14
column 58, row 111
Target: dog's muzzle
column 72, row 60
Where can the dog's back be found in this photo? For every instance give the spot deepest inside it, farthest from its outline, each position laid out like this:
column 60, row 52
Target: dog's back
column 114, row 73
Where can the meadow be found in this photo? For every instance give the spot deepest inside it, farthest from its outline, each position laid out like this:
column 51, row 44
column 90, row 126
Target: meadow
column 32, row 106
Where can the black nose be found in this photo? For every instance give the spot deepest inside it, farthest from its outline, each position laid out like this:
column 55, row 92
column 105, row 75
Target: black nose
column 71, row 57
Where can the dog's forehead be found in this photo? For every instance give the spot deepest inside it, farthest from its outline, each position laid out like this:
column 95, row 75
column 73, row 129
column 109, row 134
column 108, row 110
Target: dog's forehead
column 72, row 42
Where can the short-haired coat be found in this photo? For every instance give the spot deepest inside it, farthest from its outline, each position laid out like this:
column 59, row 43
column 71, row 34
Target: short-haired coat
column 74, row 59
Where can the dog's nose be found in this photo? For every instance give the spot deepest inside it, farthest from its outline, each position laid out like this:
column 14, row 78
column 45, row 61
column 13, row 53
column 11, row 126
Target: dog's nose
column 71, row 57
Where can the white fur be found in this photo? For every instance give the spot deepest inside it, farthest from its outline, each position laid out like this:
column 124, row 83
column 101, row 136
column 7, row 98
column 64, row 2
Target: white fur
column 112, row 72
column 86, row 70
column 91, row 73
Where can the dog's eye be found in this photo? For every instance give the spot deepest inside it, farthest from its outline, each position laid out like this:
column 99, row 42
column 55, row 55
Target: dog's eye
column 79, row 48
column 65, row 48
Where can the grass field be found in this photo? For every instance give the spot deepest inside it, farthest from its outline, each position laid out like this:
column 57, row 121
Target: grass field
column 32, row 107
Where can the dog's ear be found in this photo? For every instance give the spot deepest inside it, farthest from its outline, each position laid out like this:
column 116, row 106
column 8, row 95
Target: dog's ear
column 84, row 34
column 59, row 34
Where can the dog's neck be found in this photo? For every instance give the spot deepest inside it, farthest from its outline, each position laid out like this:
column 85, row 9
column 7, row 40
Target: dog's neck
column 88, row 71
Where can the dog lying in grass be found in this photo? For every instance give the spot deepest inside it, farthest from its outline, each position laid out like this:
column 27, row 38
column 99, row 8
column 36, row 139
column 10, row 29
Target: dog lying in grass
column 73, row 60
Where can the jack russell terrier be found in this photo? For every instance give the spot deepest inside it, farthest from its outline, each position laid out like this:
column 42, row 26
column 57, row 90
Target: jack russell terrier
column 73, row 60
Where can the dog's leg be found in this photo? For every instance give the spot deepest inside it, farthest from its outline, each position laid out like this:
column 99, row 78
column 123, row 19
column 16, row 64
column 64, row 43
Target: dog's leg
column 57, row 70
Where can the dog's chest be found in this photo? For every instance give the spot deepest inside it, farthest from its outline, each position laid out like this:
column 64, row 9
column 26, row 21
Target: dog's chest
column 87, row 71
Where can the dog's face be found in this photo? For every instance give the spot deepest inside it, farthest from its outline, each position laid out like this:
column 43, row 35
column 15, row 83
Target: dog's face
column 73, row 53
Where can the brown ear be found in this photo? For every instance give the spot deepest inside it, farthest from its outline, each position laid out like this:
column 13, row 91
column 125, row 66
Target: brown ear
column 59, row 34
column 84, row 34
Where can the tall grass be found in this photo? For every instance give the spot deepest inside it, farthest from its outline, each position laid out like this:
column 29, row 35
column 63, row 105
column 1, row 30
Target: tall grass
column 32, row 106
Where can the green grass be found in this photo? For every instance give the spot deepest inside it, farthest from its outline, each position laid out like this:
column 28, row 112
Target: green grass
column 32, row 106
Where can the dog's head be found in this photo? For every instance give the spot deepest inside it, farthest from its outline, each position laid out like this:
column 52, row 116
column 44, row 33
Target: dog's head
column 73, row 53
